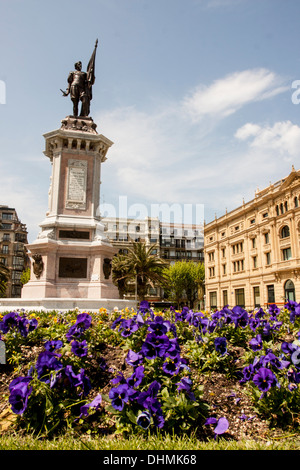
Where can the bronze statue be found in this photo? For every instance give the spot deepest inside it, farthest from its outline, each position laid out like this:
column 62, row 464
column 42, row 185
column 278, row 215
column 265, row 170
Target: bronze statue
column 80, row 86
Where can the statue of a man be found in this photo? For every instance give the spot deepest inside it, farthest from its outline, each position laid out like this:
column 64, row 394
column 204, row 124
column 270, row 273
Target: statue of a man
column 78, row 90
column 80, row 86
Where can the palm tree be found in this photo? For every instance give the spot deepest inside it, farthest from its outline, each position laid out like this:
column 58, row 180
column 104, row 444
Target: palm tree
column 146, row 267
column 121, row 273
column 4, row 275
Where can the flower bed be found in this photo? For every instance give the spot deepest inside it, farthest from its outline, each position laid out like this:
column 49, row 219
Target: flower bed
column 136, row 372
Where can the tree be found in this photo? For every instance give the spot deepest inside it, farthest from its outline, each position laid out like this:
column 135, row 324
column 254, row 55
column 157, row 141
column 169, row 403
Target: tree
column 121, row 273
column 144, row 267
column 25, row 276
column 4, row 276
column 185, row 281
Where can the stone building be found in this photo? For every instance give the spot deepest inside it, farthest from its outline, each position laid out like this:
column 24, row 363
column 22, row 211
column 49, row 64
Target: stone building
column 13, row 237
column 252, row 254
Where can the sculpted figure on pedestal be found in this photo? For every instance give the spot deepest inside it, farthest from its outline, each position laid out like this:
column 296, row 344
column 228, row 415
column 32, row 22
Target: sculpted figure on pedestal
column 80, row 86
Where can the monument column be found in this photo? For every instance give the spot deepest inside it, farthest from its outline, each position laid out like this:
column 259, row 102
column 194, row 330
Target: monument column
column 71, row 257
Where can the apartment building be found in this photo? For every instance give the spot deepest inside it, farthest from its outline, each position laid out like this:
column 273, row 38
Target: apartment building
column 13, row 237
column 173, row 242
column 252, row 254
column 181, row 242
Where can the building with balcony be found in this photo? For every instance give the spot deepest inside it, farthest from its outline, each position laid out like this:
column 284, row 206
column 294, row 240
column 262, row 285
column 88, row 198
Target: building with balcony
column 252, row 254
column 13, row 237
column 173, row 242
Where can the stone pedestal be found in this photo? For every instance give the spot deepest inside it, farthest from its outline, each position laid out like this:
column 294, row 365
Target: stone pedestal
column 71, row 258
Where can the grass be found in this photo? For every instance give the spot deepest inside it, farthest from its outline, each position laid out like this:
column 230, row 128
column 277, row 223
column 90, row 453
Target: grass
column 136, row 443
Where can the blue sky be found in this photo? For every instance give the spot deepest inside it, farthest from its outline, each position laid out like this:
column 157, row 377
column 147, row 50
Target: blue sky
column 195, row 94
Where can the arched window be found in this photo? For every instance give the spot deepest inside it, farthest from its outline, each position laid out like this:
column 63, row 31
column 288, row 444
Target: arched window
column 281, row 208
column 285, row 232
column 296, row 202
column 277, row 210
column 289, row 290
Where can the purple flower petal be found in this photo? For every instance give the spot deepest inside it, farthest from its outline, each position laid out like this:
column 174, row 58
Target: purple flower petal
column 222, row 426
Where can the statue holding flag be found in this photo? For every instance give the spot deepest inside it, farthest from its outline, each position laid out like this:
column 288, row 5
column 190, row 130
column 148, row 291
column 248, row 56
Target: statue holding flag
column 80, row 86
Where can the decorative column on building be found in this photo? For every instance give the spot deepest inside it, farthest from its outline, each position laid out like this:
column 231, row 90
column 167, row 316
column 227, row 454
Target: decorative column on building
column 71, row 257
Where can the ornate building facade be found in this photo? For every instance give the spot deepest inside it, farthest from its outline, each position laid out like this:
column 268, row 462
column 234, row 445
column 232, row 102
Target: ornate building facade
column 252, row 254
column 13, row 237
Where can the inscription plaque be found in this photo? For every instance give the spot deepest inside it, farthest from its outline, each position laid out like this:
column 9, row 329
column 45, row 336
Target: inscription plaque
column 74, row 234
column 73, row 267
column 76, row 184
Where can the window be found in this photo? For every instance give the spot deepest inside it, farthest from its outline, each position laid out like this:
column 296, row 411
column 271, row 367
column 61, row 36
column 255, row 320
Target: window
column 5, row 249
column 7, row 216
column 268, row 258
column 224, row 268
column 296, row 202
column 137, row 228
column 240, row 297
column 256, row 296
column 287, row 253
column 254, row 242
column 267, row 238
column 289, row 290
column 252, row 221
column 16, row 275
column 223, row 252
column 211, row 271
column 213, row 299
column 238, row 266
column 152, row 291
column 285, row 232
column 6, row 237
column 211, row 256
column 254, row 262
column 237, row 248
column 271, row 294
column 225, row 298
column 277, row 210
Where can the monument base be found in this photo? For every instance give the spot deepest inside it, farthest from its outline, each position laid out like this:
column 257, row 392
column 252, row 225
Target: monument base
column 64, row 304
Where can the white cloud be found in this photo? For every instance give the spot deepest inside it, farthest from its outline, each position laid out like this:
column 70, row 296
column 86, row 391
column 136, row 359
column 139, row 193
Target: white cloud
column 165, row 156
column 227, row 95
column 283, row 138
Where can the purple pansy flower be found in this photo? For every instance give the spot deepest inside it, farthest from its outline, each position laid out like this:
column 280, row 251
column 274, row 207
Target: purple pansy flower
column 84, row 410
column 80, row 349
column 19, row 393
column 264, row 379
column 119, row 396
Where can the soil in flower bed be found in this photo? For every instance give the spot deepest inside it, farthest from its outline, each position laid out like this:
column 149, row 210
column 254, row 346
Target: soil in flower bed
column 225, row 397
